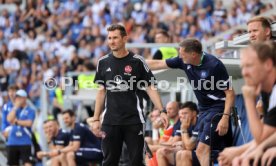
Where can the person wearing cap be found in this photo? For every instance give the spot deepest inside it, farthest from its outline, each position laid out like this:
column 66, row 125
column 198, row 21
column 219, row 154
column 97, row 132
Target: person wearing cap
column 19, row 142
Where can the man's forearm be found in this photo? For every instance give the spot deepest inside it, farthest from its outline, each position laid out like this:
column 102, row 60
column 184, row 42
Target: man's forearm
column 269, row 142
column 157, row 64
column 154, row 96
column 255, row 124
column 229, row 101
column 100, row 98
column 24, row 123
column 12, row 115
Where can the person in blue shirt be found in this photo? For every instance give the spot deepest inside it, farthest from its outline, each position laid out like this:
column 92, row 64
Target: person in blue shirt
column 211, row 84
column 7, row 107
column 19, row 142
column 84, row 146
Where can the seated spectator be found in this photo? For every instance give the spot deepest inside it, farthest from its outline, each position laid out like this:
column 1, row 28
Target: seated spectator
column 19, row 142
column 188, row 118
column 168, row 134
column 56, row 139
column 84, row 146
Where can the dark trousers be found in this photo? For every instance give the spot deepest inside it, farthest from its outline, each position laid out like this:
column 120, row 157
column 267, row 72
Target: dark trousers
column 112, row 143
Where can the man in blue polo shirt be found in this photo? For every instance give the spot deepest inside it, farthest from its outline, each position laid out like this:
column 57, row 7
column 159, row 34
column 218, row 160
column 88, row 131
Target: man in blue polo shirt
column 211, row 85
column 19, row 142
column 84, row 146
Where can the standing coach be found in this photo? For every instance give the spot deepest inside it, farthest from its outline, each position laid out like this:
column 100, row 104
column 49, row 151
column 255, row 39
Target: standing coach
column 119, row 75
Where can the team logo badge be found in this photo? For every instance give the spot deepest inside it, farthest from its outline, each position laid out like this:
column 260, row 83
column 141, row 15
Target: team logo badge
column 203, row 74
column 128, row 69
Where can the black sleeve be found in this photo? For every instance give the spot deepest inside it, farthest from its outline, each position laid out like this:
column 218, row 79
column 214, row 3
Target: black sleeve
column 146, row 74
column 270, row 117
column 157, row 55
column 99, row 78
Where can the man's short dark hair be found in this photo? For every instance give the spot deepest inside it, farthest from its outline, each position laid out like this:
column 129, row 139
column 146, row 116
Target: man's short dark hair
column 70, row 112
column 191, row 45
column 119, row 27
column 189, row 104
column 265, row 50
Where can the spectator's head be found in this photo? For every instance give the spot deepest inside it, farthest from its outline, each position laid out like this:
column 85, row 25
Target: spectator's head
column 21, row 96
column 258, row 64
column 12, row 92
column 117, row 37
column 154, row 115
column 190, row 51
column 172, row 109
column 259, row 29
column 162, row 37
column 188, row 110
column 68, row 118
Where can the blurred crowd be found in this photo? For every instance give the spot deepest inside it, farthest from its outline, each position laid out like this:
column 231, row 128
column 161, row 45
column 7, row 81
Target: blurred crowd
column 47, row 38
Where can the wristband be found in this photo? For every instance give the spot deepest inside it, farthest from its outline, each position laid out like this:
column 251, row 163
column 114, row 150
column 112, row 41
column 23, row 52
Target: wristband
column 16, row 122
column 184, row 131
column 226, row 114
column 95, row 120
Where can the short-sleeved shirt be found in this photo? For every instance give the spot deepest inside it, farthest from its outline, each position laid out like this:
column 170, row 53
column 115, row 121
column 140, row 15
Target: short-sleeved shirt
column 209, row 80
column 20, row 135
column 270, row 113
column 5, row 111
column 176, row 128
column 123, row 79
column 62, row 138
column 191, row 131
column 86, row 138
